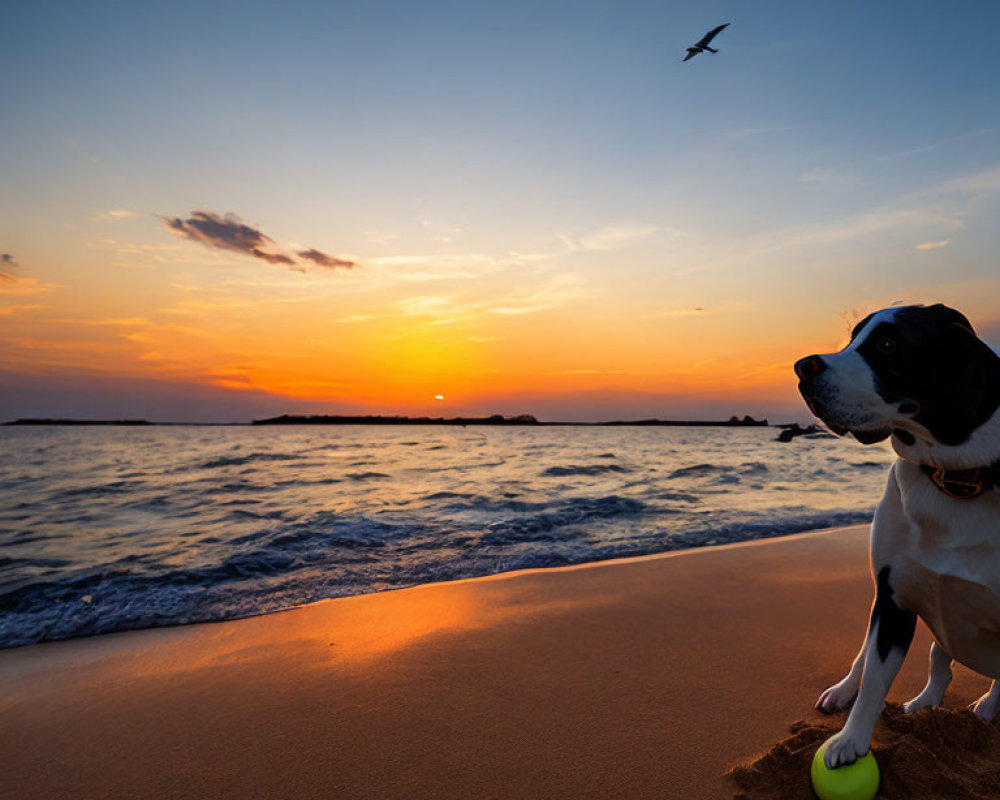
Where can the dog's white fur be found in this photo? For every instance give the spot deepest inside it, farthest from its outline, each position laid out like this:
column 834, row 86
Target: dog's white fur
column 943, row 554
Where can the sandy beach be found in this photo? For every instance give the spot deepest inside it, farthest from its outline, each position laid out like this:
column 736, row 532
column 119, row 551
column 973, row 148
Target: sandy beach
column 637, row 678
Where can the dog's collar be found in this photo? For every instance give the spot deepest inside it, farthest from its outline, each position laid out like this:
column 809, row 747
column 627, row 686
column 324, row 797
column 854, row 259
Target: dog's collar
column 964, row 484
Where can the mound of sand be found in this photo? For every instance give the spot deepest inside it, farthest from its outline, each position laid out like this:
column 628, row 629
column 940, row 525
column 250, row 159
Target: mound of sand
column 935, row 754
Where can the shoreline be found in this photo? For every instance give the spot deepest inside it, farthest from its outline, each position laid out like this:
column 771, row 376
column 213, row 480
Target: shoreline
column 640, row 677
column 682, row 548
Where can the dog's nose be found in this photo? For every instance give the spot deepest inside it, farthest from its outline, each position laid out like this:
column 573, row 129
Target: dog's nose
column 809, row 367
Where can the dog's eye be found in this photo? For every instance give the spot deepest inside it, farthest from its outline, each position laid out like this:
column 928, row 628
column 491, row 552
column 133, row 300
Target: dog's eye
column 886, row 345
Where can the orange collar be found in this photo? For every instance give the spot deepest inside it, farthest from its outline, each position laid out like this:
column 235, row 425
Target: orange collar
column 963, row 484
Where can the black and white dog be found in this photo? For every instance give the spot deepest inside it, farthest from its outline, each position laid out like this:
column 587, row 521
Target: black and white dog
column 922, row 376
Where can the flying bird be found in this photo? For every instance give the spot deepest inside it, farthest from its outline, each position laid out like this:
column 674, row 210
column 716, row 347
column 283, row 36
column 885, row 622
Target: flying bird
column 702, row 46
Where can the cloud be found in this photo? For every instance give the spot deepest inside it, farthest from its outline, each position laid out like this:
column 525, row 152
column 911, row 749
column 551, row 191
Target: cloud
column 8, row 310
column 23, row 286
column 940, row 209
column 113, row 215
column 8, row 260
column 951, row 140
column 987, row 180
column 381, row 237
column 429, row 267
column 446, row 309
column 440, row 231
column 323, row 260
column 933, row 245
column 685, row 312
column 417, row 268
column 560, row 289
column 610, row 237
column 614, row 237
column 227, row 232
column 114, row 321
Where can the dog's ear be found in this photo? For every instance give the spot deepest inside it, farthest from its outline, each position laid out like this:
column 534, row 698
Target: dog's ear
column 943, row 315
column 966, row 381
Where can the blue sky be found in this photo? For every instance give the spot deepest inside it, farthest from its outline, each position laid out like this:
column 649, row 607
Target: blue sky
column 831, row 157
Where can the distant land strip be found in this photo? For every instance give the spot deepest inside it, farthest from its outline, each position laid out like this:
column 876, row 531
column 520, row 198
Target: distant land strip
column 41, row 421
column 324, row 419
column 496, row 419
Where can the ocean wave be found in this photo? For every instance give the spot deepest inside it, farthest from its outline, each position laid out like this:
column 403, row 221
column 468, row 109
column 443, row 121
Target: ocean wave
column 768, row 527
column 698, row 471
column 681, row 496
column 328, row 555
column 238, row 461
column 241, row 513
column 109, row 533
column 97, row 490
column 592, row 469
column 554, row 524
column 234, row 487
column 302, row 482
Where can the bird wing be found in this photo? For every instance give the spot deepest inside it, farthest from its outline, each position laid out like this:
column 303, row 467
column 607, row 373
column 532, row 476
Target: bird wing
column 711, row 35
column 692, row 52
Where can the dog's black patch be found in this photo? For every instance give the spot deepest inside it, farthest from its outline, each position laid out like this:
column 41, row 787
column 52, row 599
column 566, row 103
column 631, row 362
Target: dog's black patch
column 895, row 626
column 931, row 358
column 870, row 437
column 905, row 437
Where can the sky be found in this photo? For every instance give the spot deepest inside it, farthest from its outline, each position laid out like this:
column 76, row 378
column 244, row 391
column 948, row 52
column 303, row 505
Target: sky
column 217, row 211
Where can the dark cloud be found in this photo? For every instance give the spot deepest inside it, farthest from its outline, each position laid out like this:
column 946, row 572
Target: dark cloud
column 323, row 260
column 227, row 232
column 272, row 258
column 7, row 260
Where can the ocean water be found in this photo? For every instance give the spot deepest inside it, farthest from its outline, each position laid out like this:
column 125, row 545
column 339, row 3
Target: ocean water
column 105, row 529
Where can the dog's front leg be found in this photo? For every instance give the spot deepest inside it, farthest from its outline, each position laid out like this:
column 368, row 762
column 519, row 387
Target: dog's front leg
column 938, row 678
column 986, row 706
column 889, row 637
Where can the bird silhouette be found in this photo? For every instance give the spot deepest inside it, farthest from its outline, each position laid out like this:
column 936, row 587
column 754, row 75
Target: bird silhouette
column 702, row 46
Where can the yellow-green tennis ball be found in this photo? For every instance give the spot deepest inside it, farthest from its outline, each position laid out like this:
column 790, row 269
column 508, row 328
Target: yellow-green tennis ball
column 857, row 781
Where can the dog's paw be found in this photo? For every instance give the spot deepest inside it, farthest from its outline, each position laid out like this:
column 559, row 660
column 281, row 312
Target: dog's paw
column 985, row 707
column 923, row 700
column 844, row 748
column 838, row 697
column 917, row 703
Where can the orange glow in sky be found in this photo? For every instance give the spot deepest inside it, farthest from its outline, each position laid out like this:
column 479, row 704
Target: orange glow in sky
column 446, row 229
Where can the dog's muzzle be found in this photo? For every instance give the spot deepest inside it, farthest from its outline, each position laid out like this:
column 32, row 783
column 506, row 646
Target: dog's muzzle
column 808, row 369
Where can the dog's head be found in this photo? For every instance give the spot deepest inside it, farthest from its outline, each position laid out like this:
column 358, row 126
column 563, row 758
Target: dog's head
column 917, row 371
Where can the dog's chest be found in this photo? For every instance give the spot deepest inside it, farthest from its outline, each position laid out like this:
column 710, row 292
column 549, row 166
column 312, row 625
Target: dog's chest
column 947, row 569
